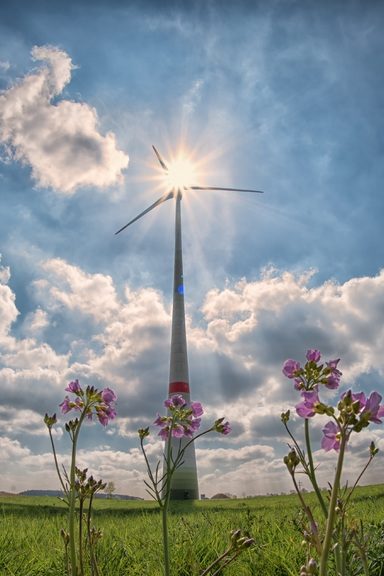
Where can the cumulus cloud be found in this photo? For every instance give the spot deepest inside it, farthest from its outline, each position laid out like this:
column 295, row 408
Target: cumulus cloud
column 8, row 310
column 280, row 315
column 237, row 349
column 35, row 322
column 68, row 286
column 59, row 139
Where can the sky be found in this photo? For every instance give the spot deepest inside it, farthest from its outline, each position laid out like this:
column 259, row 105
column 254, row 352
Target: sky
column 284, row 97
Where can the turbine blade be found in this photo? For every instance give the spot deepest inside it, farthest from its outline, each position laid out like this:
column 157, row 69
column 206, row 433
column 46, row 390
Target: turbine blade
column 226, row 189
column 162, row 163
column 151, row 207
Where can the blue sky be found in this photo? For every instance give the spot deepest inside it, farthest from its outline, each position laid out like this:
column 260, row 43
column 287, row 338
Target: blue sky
column 286, row 97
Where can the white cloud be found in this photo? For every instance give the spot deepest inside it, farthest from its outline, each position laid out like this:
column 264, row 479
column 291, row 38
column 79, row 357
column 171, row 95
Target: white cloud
column 69, row 287
column 8, row 310
column 248, row 330
column 11, row 450
column 59, row 140
column 280, row 314
column 35, row 322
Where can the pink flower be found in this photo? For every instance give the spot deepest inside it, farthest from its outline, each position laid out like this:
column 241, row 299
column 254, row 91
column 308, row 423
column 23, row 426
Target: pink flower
column 307, row 408
column 182, row 421
column 290, row 368
column 191, row 426
column 331, row 438
column 226, row 428
column 299, row 384
column 333, row 379
column 355, row 396
column 222, row 427
column 67, row 405
column 313, row 355
column 105, row 414
column 90, row 402
column 108, row 395
column 103, row 418
column 175, row 401
column 74, row 387
column 372, row 410
column 197, row 409
column 178, row 431
column 164, row 433
column 333, row 363
column 161, row 420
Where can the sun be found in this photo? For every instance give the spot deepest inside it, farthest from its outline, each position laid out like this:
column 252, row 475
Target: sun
column 181, row 173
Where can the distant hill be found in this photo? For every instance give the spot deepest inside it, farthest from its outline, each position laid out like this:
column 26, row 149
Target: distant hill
column 59, row 494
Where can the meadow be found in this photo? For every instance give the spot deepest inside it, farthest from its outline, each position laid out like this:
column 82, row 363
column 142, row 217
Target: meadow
column 31, row 545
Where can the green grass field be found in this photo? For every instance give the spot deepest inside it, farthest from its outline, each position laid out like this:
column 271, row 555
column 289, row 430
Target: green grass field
column 30, row 543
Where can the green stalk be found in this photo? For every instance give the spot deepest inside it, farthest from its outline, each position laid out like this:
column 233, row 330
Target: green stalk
column 215, row 562
column 312, row 469
column 72, row 507
column 332, row 508
column 81, row 508
column 165, row 506
column 65, row 491
column 163, row 495
column 94, row 568
column 308, row 513
column 72, row 498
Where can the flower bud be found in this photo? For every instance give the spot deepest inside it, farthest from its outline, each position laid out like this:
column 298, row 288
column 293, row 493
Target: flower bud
column 221, row 426
column 65, row 536
column 143, row 432
column 291, row 460
column 285, row 416
column 372, row 449
column 50, row 420
column 235, row 534
column 248, row 542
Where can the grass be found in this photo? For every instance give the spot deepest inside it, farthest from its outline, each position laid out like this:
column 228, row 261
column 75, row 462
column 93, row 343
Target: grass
column 30, row 543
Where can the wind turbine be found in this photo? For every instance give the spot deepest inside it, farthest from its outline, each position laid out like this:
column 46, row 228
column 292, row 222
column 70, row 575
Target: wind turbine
column 184, row 482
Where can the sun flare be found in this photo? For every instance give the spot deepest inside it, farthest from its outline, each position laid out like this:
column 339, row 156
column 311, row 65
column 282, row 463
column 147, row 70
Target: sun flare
column 181, row 173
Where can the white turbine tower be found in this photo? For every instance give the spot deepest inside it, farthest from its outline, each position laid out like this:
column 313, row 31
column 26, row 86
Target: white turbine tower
column 184, row 482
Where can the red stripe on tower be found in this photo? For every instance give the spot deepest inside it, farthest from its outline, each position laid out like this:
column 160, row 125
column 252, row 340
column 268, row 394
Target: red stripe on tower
column 177, row 387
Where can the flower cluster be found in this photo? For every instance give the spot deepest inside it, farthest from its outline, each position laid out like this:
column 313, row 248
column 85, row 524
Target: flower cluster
column 222, row 427
column 91, row 401
column 355, row 410
column 183, row 420
column 313, row 374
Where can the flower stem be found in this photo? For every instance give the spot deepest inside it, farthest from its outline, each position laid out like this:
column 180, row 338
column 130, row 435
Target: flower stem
column 72, row 506
column 165, row 504
column 312, row 469
column 72, row 497
column 91, row 544
column 332, row 508
column 81, row 564
column 65, row 491
column 308, row 513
